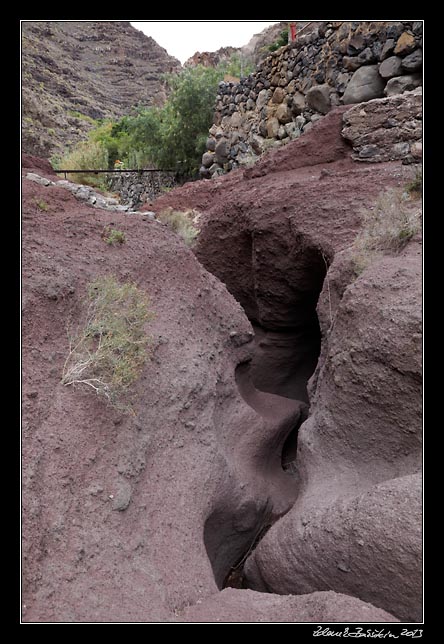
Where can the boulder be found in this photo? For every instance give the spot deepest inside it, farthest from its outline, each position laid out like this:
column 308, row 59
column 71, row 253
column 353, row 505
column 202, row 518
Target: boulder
column 298, row 103
column 318, row 98
column 387, row 48
column 208, row 159
column 365, row 553
column 283, row 114
column 342, row 80
column 278, row 95
column 257, row 144
column 211, row 144
column 262, row 128
column 401, row 84
column 262, row 99
column 221, row 152
column 356, row 44
column 204, row 172
column 290, row 129
column 364, row 85
column 390, row 67
column 377, row 130
column 405, row 44
column 394, row 30
column 236, row 120
column 366, row 56
column 351, row 63
column 272, row 127
column 215, row 170
column 412, row 62
column 282, row 134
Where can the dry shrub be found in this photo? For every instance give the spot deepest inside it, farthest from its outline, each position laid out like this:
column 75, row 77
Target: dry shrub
column 183, row 223
column 113, row 236
column 109, row 348
column 387, row 226
column 86, row 155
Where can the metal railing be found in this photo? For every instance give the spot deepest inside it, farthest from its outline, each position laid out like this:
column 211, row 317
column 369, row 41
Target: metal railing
column 65, row 172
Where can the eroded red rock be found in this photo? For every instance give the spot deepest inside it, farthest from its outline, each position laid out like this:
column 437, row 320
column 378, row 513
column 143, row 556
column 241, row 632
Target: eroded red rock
column 249, row 606
column 134, row 518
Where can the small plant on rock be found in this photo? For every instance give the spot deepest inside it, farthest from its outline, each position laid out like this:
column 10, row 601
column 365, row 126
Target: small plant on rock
column 109, row 349
column 280, row 42
column 42, row 205
column 112, row 236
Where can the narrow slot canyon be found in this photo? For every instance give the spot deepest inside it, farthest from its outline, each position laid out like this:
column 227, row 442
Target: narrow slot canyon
column 281, row 305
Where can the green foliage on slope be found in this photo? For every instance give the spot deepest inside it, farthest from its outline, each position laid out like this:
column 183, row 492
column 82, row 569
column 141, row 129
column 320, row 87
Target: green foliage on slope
column 171, row 137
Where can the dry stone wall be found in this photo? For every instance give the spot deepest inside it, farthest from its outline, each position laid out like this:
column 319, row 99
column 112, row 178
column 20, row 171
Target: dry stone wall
column 336, row 63
column 136, row 188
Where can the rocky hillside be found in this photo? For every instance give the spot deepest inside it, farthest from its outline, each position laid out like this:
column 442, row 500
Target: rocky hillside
column 73, row 72
column 282, row 393
column 211, row 58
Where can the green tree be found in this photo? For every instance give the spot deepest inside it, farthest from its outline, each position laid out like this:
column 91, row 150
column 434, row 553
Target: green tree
column 173, row 137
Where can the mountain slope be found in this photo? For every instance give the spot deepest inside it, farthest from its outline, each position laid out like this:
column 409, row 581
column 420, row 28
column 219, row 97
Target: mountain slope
column 75, row 71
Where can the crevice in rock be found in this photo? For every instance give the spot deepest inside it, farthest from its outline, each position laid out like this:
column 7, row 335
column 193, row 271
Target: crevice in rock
column 278, row 281
column 228, row 539
column 235, row 577
column 289, row 450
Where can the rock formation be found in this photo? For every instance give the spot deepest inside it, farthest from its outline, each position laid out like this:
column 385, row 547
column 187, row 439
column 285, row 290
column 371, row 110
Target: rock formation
column 75, row 71
column 248, row 606
column 356, row 524
column 254, row 52
column 211, row 58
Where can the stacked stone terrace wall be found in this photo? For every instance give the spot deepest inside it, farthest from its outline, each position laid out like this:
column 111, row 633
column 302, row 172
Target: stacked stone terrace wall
column 335, row 63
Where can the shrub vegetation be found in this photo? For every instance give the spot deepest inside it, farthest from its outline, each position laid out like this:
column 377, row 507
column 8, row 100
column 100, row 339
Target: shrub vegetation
column 387, row 226
column 112, row 236
column 86, row 155
column 181, row 223
column 280, row 42
column 109, row 349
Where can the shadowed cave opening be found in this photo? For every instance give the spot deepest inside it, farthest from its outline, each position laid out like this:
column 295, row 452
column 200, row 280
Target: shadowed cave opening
column 287, row 341
column 229, row 538
column 287, row 337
